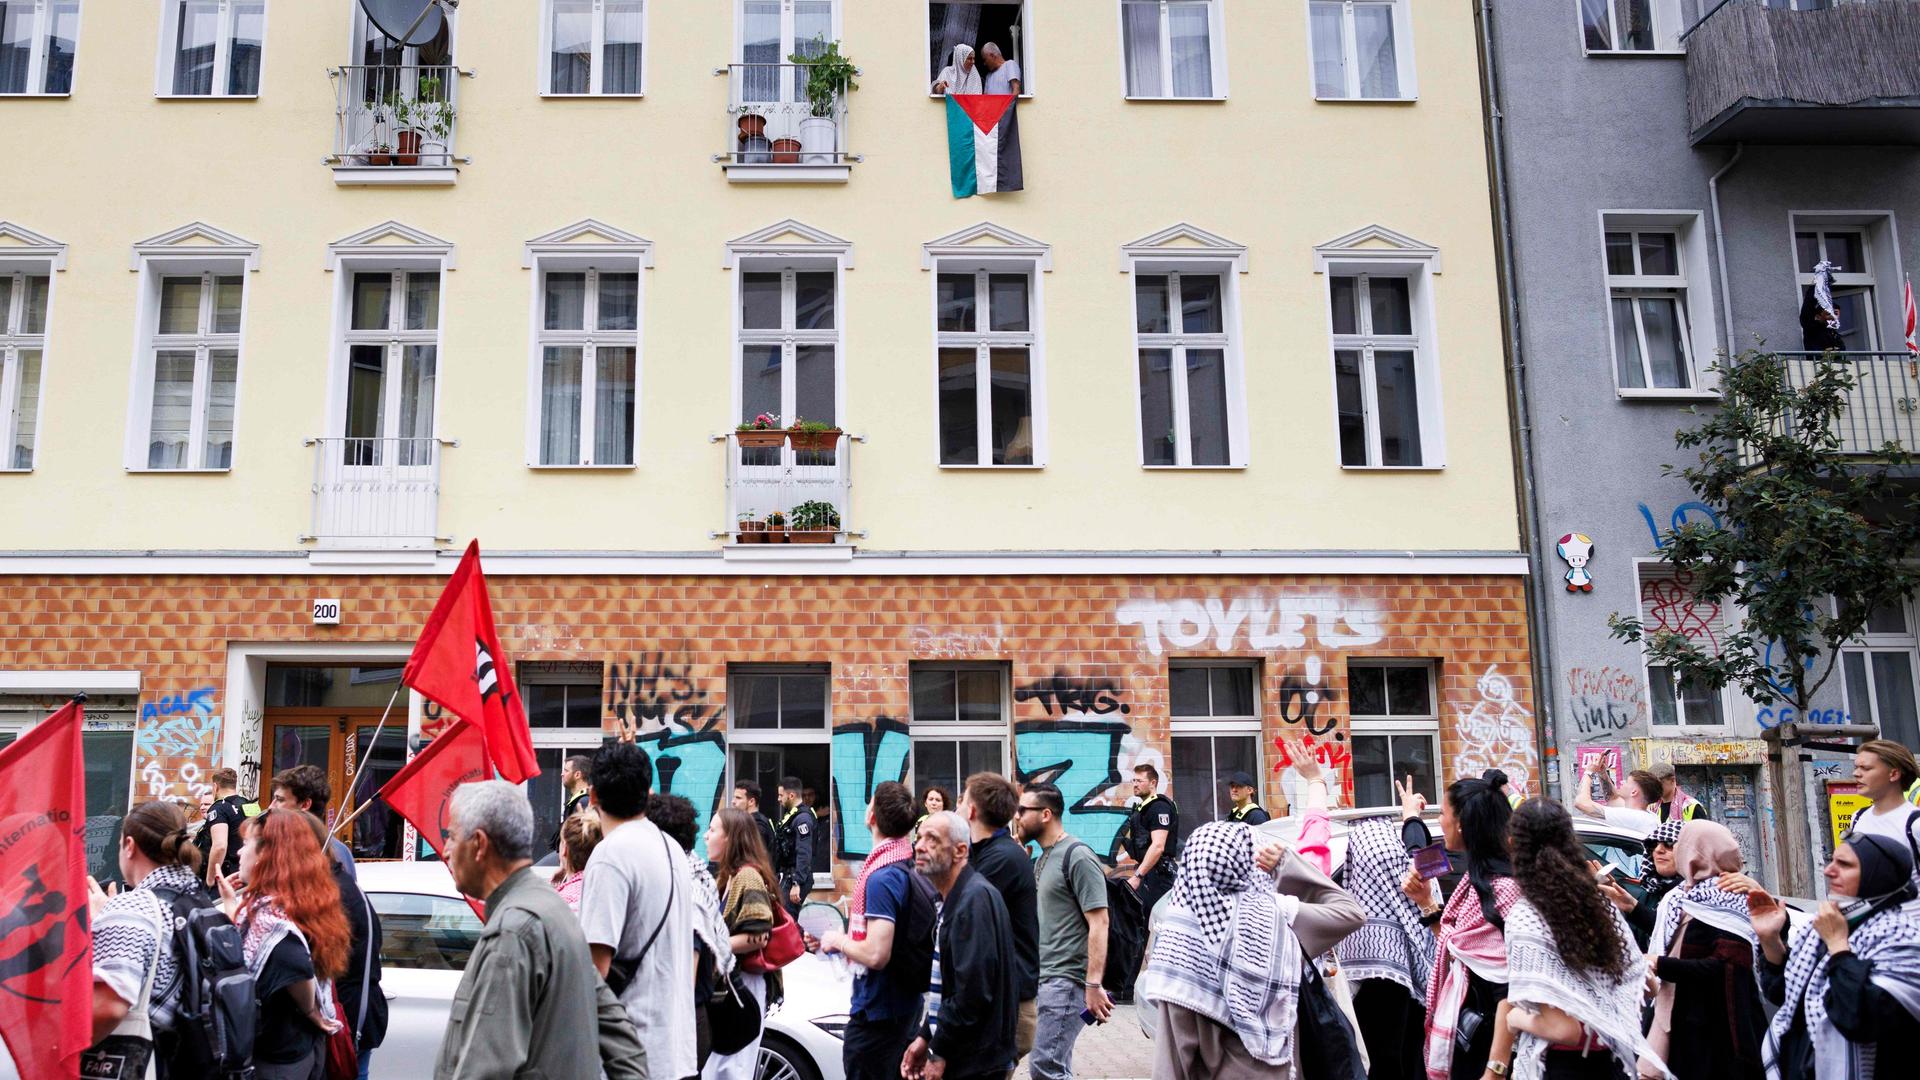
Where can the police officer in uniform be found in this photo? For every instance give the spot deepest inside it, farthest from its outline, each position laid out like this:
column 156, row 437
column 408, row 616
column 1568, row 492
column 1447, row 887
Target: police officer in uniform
column 1241, row 787
column 1152, row 839
column 794, row 838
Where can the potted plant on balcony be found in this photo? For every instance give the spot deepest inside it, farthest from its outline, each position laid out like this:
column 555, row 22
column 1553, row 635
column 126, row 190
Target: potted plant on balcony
column 776, row 528
column 762, row 430
column 752, row 530
column 813, row 435
column 814, row 522
column 829, row 78
column 432, row 116
column 400, row 115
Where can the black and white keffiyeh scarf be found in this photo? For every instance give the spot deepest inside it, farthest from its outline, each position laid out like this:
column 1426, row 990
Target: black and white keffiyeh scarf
column 1393, row 944
column 1707, row 902
column 1608, row 1005
column 1225, row 948
column 1890, row 941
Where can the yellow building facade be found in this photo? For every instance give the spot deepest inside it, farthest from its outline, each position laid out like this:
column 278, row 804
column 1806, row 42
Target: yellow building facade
column 298, row 310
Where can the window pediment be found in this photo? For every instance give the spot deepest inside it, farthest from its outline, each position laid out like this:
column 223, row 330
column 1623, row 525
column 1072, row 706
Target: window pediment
column 989, row 239
column 1183, row 241
column 197, row 240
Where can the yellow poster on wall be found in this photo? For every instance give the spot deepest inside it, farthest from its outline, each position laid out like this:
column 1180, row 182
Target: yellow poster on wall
column 1841, row 809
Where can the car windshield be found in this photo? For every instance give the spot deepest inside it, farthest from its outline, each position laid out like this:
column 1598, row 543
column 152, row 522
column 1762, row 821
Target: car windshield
column 435, row 933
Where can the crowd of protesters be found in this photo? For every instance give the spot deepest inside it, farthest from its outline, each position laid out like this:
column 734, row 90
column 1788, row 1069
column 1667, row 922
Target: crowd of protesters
column 981, row 934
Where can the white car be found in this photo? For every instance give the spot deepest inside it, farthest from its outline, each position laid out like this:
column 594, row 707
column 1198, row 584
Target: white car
column 427, row 932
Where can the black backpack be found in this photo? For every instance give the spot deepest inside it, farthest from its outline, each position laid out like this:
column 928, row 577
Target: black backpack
column 214, row 1024
column 910, row 968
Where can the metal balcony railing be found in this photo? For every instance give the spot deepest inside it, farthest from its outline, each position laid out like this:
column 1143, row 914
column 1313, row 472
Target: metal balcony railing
column 764, row 479
column 771, row 122
column 395, row 116
column 378, row 493
column 1883, row 406
column 1811, row 71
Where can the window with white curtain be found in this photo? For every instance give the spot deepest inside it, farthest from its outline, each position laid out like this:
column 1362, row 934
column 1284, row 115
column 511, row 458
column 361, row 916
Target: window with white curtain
column 1189, row 381
column 984, row 320
column 23, row 344
column 1362, row 49
column 1378, row 370
column 1647, row 299
column 211, row 48
column 594, row 47
column 1173, row 48
column 392, row 346
column 1634, row 25
column 771, row 31
column 588, row 351
column 38, row 39
column 192, row 367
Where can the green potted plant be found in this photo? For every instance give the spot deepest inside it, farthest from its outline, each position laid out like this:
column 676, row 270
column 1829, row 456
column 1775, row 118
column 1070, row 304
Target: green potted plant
column 829, row 79
column 814, row 522
column 406, row 138
column 762, row 430
column 433, row 116
column 813, row 435
column 752, row 530
column 776, row 528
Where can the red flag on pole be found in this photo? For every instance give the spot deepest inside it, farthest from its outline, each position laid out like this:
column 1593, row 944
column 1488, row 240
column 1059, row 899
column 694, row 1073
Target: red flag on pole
column 458, row 662
column 422, row 791
column 46, row 949
column 1913, row 343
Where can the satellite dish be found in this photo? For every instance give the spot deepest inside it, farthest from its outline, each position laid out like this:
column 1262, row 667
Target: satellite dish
column 395, row 18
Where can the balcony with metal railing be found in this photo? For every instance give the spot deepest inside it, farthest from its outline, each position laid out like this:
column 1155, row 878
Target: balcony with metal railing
column 792, row 489
column 377, row 494
column 775, row 133
column 395, row 124
column 1804, row 71
column 1883, row 405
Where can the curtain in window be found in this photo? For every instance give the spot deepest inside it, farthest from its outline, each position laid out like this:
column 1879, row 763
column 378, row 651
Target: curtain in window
column 1373, row 34
column 63, row 29
column 198, row 26
column 1141, row 23
column 760, row 50
column 1011, row 406
column 950, row 25
column 220, row 386
column 172, row 418
column 1192, row 50
column 613, row 372
column 26, row 409
column 417, row 376
column 16, row 44
column 243, row 56
column 620, row 66
column 572, row 48
column 566, row 304
column 1329, row 50
column 560, row 405
column 1599, row 30
column 1207, row 405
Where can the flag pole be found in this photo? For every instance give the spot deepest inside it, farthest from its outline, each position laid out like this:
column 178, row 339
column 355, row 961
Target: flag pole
column 366, row 755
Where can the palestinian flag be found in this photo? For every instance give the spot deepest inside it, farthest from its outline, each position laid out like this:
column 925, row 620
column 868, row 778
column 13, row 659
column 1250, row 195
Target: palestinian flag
column 983, row 144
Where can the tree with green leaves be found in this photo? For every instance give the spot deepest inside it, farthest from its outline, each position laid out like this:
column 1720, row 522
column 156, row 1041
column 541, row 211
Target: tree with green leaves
column 1811, row 536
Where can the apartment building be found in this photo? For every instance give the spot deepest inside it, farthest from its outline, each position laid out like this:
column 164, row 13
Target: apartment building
column 1675, row 173
column 1193, row 452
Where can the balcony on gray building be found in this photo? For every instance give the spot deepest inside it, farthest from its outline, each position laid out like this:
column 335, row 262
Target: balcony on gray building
column 1804, row 71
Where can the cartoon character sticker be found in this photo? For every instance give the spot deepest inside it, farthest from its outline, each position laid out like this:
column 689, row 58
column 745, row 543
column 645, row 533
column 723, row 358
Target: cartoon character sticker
column 1577, row 550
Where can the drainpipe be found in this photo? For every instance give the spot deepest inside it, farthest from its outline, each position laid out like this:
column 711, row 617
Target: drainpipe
column 1720, row 243
column 1520, row 413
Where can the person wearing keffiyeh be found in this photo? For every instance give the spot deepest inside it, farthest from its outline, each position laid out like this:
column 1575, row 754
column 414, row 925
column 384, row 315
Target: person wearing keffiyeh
column 882, row 1014
column 1390, row 959
column 1701, row 952
column 1224, row 970
column 1848, row 983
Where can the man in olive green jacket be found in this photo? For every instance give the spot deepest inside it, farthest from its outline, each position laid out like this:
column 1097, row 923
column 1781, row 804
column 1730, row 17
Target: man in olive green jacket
column 530, row 1003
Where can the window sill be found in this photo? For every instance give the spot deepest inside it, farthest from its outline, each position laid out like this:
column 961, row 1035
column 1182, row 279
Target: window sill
column 206, row 97
column 1170, row 97
column 26, row 95
column 18, row 472
column 1023, row 96
column 1635, row 54
column 1194, row 468
column 1366, row 100
column 594, row 97
column 144, row 471
column 1667, row 395
column 1393, row 468
column 992, row 468
column 787, row 553
column 395, row 175
column 582, row 468
column 788, row 174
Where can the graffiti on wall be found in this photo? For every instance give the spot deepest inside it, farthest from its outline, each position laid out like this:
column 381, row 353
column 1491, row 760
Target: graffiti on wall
column 865, row 755
column 1307, row 729
column 1684, row 514
column 1272, row 622
column 177, row 737
column 654, row 693
column 1672, row 608
column 1771, row 716
column 249, row 767
column 1497, row 733
column 1059, row 694
column 1302, row 696
column 692, row 766
column 957, row 643
column 1083, row 759
column 1606, row 700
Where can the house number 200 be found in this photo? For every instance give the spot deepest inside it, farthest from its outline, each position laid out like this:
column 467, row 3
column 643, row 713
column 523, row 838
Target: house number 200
column 326, row 612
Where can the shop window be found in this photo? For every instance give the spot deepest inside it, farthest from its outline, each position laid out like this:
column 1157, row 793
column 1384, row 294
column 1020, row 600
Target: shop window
column 1395, row 729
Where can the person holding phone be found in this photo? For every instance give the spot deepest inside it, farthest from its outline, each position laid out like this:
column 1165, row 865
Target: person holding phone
column 1707, row 1017
column 1848, row 983
column 1389, row 960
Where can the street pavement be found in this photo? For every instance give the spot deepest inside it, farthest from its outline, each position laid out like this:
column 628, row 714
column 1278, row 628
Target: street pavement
column 1115, row 1050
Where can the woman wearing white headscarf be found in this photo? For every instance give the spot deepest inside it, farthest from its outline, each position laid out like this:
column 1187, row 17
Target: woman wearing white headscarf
column 1229, row 948
column 961, row 76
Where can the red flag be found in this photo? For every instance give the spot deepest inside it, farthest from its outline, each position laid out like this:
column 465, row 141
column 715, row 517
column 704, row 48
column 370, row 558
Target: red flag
column 458, row 662
column 422, row 791
column 1913, row 344
column 46, row 949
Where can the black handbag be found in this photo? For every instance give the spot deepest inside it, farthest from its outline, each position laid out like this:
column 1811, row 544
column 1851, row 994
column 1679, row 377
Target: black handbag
column 733, row 1015
column 1327, row 1048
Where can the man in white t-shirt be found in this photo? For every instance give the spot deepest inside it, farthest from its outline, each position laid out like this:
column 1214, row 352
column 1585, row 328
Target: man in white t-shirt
column 1884, row 769
column 1640, row 790
column 634, row 907
column 1003, row 75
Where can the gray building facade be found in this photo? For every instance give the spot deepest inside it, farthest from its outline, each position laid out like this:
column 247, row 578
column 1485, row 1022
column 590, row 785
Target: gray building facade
column 1672, row 172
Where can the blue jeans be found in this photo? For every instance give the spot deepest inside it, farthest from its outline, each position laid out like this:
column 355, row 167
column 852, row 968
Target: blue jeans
column 366, row 1060
column 1060, row 1004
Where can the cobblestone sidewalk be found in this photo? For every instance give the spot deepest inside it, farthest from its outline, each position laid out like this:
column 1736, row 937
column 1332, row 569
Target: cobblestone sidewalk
column 1115, row 1050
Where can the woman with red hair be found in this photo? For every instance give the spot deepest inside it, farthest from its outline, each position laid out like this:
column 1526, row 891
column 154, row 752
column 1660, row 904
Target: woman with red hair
column 286, row 903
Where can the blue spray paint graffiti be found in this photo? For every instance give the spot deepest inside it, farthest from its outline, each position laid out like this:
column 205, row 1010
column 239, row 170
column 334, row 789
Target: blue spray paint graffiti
column 1684, row 514
column 178, row 726
column 692, row 767
column 864, row 757
column 1771, row 716
column 1078, row 758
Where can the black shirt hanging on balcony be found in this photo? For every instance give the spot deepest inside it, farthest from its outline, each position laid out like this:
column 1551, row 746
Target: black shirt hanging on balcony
column 1817, row 334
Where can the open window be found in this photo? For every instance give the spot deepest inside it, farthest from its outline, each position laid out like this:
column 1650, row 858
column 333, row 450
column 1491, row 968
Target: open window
column 976, row 24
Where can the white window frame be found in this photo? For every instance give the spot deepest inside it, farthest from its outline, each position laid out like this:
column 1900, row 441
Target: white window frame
column 919, row 730
column 394, row 338
column 1694, row 284
column 1178, row 342
column 1668, row 23
column 1822, row 225
column 1026, row 44
column 1641, row 285
column 587, row 340
column 788, row 43
column 1216, row 43
column 983, row 341
column 1406, row 71
column 1867, row 645
column 13, row 341
column 738, row 736
column 1390, row 726
column 787, row 337
column 1213, row 724
column 597, row 70
column 37, row 56
column 222, row 51
column 153, row 270
column 1645, row 571
column 1366, row 343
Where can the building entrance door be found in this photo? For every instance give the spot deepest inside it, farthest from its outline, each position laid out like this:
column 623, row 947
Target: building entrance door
column 330, row 740
column 1730, row 793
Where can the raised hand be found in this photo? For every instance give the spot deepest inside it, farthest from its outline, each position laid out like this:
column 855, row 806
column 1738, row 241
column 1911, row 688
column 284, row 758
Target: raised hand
column 1412, row 803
